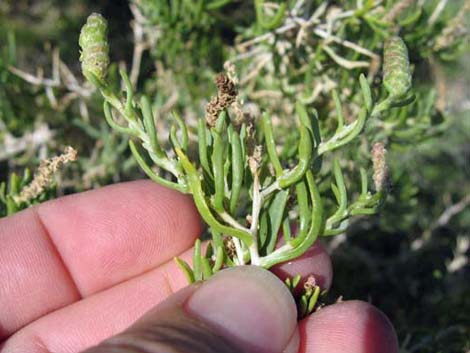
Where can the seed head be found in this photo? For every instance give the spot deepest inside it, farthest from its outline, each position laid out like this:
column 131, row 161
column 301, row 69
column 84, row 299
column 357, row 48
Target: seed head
column 43, row 178
column 379, row 163
column 226, row 95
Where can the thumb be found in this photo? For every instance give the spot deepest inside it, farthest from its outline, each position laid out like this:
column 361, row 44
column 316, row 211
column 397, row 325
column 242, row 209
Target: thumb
column 241, row 309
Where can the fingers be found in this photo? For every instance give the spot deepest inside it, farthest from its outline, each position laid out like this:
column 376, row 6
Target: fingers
column 351, row 326
column 77, row 245
column 106, row 313
column 100, row 315
column 244, row 309
column 33, row 279
column 120, row 231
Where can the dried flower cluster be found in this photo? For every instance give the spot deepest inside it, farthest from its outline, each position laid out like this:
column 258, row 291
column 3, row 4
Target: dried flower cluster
column 226, row 95
column 44, row 175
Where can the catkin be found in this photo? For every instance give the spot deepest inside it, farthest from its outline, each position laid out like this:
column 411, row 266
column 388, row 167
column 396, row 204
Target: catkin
column 94, row 44
column 396, row 69
column 379, row 162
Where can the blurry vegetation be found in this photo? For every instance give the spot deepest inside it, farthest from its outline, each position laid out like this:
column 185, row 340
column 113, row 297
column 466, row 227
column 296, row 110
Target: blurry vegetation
column 411, row 260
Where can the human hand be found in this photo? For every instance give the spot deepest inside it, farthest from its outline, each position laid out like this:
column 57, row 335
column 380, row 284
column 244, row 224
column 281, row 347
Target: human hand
column 80, row 269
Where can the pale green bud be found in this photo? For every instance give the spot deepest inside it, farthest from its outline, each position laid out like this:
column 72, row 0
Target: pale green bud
column 94, row 44
column 396, row 67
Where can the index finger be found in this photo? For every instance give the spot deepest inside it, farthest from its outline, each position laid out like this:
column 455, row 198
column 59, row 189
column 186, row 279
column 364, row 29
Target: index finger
column 62, row 250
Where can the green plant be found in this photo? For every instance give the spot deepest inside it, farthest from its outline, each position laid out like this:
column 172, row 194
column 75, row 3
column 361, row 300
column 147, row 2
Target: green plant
column 246, row 196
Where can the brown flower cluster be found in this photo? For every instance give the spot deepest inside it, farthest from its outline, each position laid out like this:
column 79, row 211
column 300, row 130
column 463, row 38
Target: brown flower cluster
column 226, row 95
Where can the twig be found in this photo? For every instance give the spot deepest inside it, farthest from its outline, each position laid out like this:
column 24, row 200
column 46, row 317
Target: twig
column 348, row 64
column 266, row 58
column 437, row 12
column 140, row 45
column 292, row 23
column 397, row 9
column 451, row 211
column 13, row 145
column 443, row 220
column 345, row 43
column 34, row 80
column 62, row 77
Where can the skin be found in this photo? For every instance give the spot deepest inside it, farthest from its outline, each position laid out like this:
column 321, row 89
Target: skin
column 83, row 268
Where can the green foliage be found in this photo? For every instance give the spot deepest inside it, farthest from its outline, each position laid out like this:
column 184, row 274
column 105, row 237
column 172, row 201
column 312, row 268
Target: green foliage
column 12, row 188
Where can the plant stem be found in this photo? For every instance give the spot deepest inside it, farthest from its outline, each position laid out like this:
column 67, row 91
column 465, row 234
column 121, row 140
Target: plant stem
column 257, row 202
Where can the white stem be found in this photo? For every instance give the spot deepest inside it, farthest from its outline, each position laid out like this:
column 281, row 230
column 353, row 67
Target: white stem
column 257, row 200
column 274, row 186
column 437, row 11
column 239, row 251
column 233, row 222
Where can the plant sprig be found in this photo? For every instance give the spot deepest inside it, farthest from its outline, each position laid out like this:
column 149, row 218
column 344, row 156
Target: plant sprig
column 244, row 194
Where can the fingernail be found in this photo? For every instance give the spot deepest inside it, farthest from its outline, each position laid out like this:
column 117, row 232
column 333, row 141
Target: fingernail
column 249, row 306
